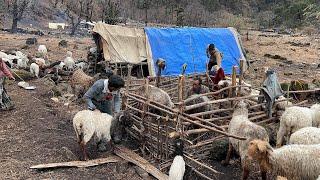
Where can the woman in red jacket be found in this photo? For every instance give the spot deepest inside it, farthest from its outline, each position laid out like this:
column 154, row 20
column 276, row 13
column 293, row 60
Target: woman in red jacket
column 5, row 101
column 217, row 74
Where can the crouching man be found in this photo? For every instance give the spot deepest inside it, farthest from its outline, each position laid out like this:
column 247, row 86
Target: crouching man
column 105, row 93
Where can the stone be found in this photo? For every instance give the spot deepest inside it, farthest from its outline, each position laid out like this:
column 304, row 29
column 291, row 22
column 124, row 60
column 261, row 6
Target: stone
column 31, row 41
column 63, row 43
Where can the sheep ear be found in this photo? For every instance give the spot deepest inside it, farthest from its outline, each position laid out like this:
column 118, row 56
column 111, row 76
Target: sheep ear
column 264, row 147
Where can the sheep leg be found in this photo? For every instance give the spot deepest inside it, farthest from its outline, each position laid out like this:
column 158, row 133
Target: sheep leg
column 84, row 152
column 111, row 146
column 280, row 135
column 229, row 153
column 245, row 172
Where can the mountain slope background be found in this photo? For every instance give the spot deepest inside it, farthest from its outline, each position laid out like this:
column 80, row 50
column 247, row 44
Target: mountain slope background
column 241, row 14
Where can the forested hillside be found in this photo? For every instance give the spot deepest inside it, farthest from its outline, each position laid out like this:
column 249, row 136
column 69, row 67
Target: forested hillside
column 237, row 13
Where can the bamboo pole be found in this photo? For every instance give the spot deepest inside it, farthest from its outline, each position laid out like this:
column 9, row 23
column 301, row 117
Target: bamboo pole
column 241, row 76
column 234, row 83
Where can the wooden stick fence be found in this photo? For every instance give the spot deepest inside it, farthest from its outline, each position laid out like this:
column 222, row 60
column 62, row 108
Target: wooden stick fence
column 156, row 130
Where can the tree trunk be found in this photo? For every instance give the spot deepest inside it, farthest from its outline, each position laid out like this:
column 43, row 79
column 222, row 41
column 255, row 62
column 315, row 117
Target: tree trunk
column 15, row 19
column 14, row 27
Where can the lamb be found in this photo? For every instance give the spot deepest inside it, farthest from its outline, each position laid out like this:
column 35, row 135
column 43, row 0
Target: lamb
column 22, row 61
column 34, row 69
column 42, row 49
column 241, row 126
column 294, row 162
column 295, row 118
column 106, row 128
column 3, row 55
column 177, row 167
column 82, row 65
column 40, row 61
column 69, row 61
column 307, row 135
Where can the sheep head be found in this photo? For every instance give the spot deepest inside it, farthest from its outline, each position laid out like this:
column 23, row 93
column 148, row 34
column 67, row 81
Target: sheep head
column 120, row 121
column 125, row 118
column 260, row 150
column 315, row 107
column 178, row 145
column 242, row 104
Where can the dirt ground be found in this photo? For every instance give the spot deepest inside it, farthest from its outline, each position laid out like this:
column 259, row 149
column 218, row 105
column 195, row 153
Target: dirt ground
column 40, row 131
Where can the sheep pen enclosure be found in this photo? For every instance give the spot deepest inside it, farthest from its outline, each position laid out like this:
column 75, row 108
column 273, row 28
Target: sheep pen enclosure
column 157, row 125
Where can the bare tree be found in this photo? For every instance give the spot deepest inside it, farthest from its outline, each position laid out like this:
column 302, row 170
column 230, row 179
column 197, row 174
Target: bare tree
column 75, row 11
column 17, row 8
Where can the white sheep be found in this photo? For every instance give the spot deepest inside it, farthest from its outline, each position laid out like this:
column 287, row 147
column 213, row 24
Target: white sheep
column 87, row 123
column 3, row 55
column 240, row 125
column 177, row 167
column 282, row 105
column 69, row 61
column 156, row 95
column 22, row 61
column 34, row 69
column 40, row 61
column 82, row 65
column 307, row 135
column 295, row 118
column 294, row 162
column 42, row 49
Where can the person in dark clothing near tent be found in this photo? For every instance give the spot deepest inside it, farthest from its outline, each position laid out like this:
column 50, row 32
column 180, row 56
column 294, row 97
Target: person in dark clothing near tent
column 214, row 55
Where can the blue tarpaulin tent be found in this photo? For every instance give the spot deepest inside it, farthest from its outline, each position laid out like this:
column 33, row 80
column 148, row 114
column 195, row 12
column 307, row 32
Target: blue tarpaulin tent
column 188, row 45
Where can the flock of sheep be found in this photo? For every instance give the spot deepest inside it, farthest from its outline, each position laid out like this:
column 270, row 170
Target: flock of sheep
column 299, row 159
column 21, row 61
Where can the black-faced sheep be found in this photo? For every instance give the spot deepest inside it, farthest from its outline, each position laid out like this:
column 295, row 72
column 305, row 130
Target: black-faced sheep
column 307, row 135
column 240, row 125
column 106, row 128
column 295, row 162
column 295, row 118
column 177, row 167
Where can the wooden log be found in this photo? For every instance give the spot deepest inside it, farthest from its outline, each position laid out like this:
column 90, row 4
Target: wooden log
column 199, row 173
column 213, row 129
column 187, row 108
column 203, row 165
column 205, row 142
column 214, row 93
column 79, row 164
column 234, row 81
column 139, row 161
column 212, row 112
column 189, row 132
column 151, row 105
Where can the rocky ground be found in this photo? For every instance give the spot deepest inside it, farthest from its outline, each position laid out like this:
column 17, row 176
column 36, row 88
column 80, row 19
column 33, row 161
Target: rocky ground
column 40, row 130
